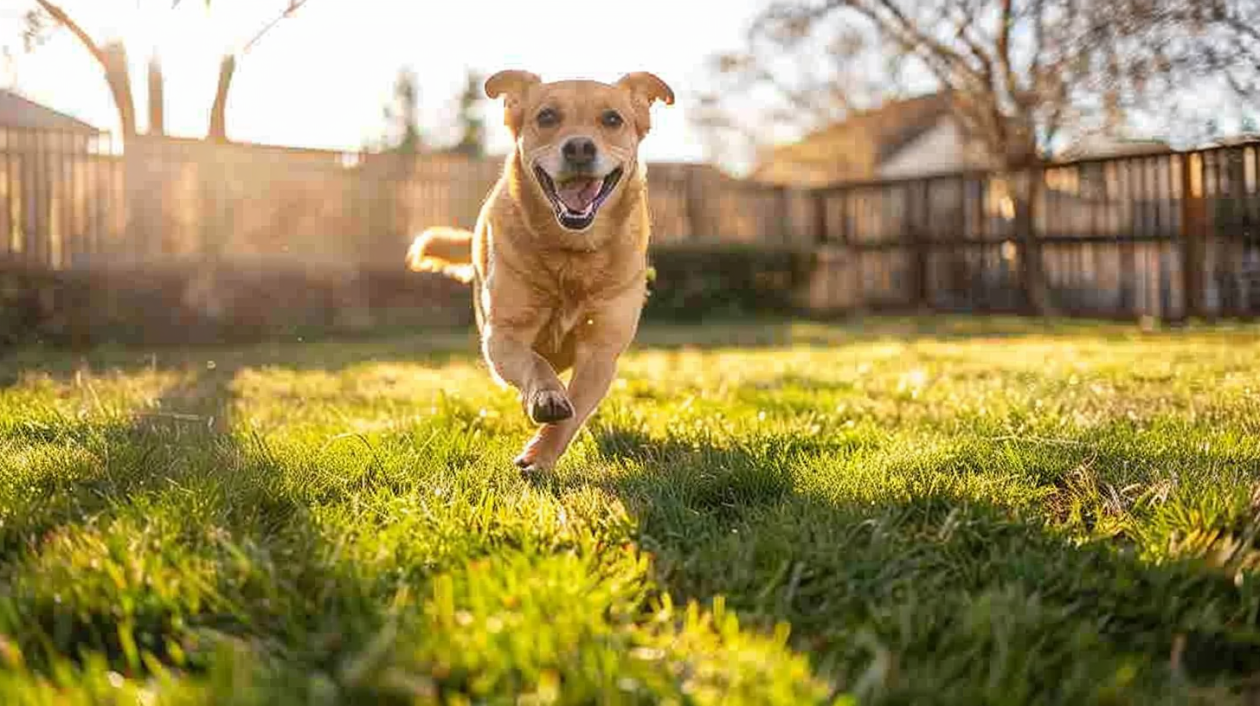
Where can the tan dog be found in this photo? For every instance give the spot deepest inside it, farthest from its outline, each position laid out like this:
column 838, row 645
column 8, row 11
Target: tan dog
column 558, row 260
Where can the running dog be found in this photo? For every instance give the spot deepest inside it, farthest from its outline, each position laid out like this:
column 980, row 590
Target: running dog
column 558, row 259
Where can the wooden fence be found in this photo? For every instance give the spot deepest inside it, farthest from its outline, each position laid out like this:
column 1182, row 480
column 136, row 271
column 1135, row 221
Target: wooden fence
column 69, row 202
column 1168, row 236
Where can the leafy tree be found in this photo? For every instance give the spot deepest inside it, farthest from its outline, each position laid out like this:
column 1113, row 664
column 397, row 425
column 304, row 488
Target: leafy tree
column 472, row 126
column 402, row 115
column 1211, row 129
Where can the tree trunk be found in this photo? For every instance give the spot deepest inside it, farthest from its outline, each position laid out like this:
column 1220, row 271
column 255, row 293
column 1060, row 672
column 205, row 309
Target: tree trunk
column 1023, row 188
column 119, row 79
column 1024, row 176
column 218, row 112
column 112, row 59
column 157, row 101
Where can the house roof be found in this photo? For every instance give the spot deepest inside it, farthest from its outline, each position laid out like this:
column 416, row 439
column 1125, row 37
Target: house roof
column 852, row 149
column 19, row 112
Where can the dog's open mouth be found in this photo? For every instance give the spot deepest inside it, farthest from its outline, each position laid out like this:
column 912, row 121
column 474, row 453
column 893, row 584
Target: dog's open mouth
column 576, row 200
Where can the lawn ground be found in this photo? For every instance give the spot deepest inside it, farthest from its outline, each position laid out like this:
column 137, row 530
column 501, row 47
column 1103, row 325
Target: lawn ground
column 907, row 511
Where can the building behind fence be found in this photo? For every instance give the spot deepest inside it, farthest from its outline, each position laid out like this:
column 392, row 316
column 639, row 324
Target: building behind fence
column 1166, row 235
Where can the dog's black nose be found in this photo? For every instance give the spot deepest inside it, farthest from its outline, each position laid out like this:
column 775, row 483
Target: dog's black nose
column 579, row 151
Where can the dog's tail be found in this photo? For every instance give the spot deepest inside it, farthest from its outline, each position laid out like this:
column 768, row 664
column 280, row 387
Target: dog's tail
column 444, row 250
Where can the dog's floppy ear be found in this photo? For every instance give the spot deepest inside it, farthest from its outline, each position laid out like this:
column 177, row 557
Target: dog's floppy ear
column 512, row 85
column 645, row 88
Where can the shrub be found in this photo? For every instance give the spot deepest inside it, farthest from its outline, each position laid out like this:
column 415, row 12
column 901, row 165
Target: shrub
column 701, row 279
column 181, row 305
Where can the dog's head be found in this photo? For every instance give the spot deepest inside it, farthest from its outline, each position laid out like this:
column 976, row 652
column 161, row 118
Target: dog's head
column 578, row 140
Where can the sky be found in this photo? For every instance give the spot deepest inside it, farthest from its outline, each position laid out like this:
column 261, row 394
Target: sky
column 322, row 77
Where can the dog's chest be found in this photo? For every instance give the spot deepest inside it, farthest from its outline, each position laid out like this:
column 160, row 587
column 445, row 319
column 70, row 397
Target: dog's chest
column 577, row 289
column 564, row 322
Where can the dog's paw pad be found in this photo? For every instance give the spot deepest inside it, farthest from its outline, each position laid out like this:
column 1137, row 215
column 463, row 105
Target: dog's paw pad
column 549, row 407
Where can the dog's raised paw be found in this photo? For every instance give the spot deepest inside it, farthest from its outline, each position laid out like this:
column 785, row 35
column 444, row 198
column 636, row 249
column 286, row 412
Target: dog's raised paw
column 549, row 407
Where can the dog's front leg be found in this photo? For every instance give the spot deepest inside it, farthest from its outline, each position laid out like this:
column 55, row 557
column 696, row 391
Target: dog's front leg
column 601, row 342
column 515, row 362
column 593, row 373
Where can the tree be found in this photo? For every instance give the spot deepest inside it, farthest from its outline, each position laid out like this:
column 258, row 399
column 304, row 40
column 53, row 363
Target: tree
column 766, row 92
column 111, row 57
column 472, row 126
column 1018, row 72
column 1211, row 129
column 218, row 109
column 157, row 97
column 402, row 115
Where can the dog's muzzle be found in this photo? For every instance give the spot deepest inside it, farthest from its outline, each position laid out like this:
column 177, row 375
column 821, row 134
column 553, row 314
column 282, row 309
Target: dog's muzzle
column 575, row 196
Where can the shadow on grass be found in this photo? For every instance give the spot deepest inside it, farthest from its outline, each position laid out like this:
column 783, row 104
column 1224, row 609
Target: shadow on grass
column 933, row 596
column 331, row 355
column 166, row 543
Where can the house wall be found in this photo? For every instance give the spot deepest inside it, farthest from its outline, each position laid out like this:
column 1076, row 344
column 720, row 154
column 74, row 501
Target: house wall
column 939, row 150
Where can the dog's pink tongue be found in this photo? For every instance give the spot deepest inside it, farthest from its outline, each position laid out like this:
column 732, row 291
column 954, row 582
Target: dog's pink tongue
column 577, row 194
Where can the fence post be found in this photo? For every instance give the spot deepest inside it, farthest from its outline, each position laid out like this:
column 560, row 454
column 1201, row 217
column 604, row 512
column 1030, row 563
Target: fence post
column 6, row 208
column 33, row 193
column 919, row 243
column 144, row 184
column 819, row 200
column 850, row 235
column 1193, row 214
column 783, row 213
column 961, row 275
column 1230, row 205
column 695, row 204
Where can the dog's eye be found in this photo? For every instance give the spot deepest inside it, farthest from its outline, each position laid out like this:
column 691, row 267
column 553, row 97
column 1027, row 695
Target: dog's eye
column 548, row 118
column 611, row 119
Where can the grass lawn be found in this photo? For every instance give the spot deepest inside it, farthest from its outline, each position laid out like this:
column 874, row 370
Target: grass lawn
column 956, row 511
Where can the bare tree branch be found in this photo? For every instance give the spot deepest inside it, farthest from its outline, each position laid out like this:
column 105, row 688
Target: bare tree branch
column 157, row 98
column 66, row 21
column 218, row 111
column 1005, row 63
column 1025, row 71
column 293, row 7
column 227, row 71
column 112, row 63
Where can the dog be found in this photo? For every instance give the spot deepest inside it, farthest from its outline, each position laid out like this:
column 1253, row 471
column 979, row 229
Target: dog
column 558, row 258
